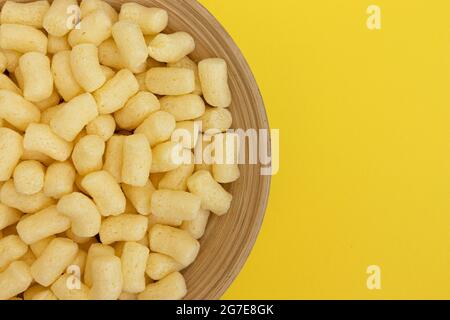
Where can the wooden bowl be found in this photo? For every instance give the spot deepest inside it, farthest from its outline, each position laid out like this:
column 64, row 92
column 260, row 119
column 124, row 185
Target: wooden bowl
column 228, row 239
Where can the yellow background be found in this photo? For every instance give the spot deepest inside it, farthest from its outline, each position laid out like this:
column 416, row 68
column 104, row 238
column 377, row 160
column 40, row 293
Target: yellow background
column 365, row 146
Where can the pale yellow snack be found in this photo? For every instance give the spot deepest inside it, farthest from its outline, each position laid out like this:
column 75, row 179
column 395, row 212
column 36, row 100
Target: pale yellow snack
column 79, row 260
column 42, row 224
column 18, row 77
column 214, row 197
column 106, row 192
column 56, row 44
column 94, row 28
column 22, row 202
column 140, row 197
column 17, row 111
column 51, row 101
column 48, row 114
column 157, row 127
column 10, row 152
column 187, row 63
column 176, row 243
column 160, row 265
column 32, row 291
column 184, row 107
column 12, row 58
column 136, row 160
column 176, row 179
column 3, row 62
column 87, row 155
column 39, row 246
column 168, row 156
column 65, row 81
column 125, row 227
column 29, row 177
column 80, row 240
column 168, row 221
column 170, row 81
column 197, row 226
column 15, row 279
column 127, row 34
column 172, row 204
column 134, row 261
column 107, row 278
column 225, row 168
column 28, row 257
column 89, row 6
column 113, row 95
column 144, row 242
column 30, row 14
column 44, row 295
column 172, row 287
column 171, row 47
column 136, row 110
column 54, row 260
column 213, row 76
column 95, row 250
column 85, row 246
column 22, row 38
column 81, row 257
column 8, row 216
column 108, row 72
column 39, row 137
column 140, row 77
column 82, row 212
column 216, row 119
column 74, row 116
column 102, row 126
column 150, row 20
column 11, row 249
column 59, row 179
column 37, row 76
column 109, row 55
column 63, row 291
column 113, row 157
column 86, row 67
column 127, row 296
column 187, row 133
column 7, row 84
column 38, row 156
column 57, row 19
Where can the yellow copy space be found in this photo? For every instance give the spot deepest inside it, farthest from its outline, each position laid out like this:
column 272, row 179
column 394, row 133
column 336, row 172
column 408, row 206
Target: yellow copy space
column 364, row 118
